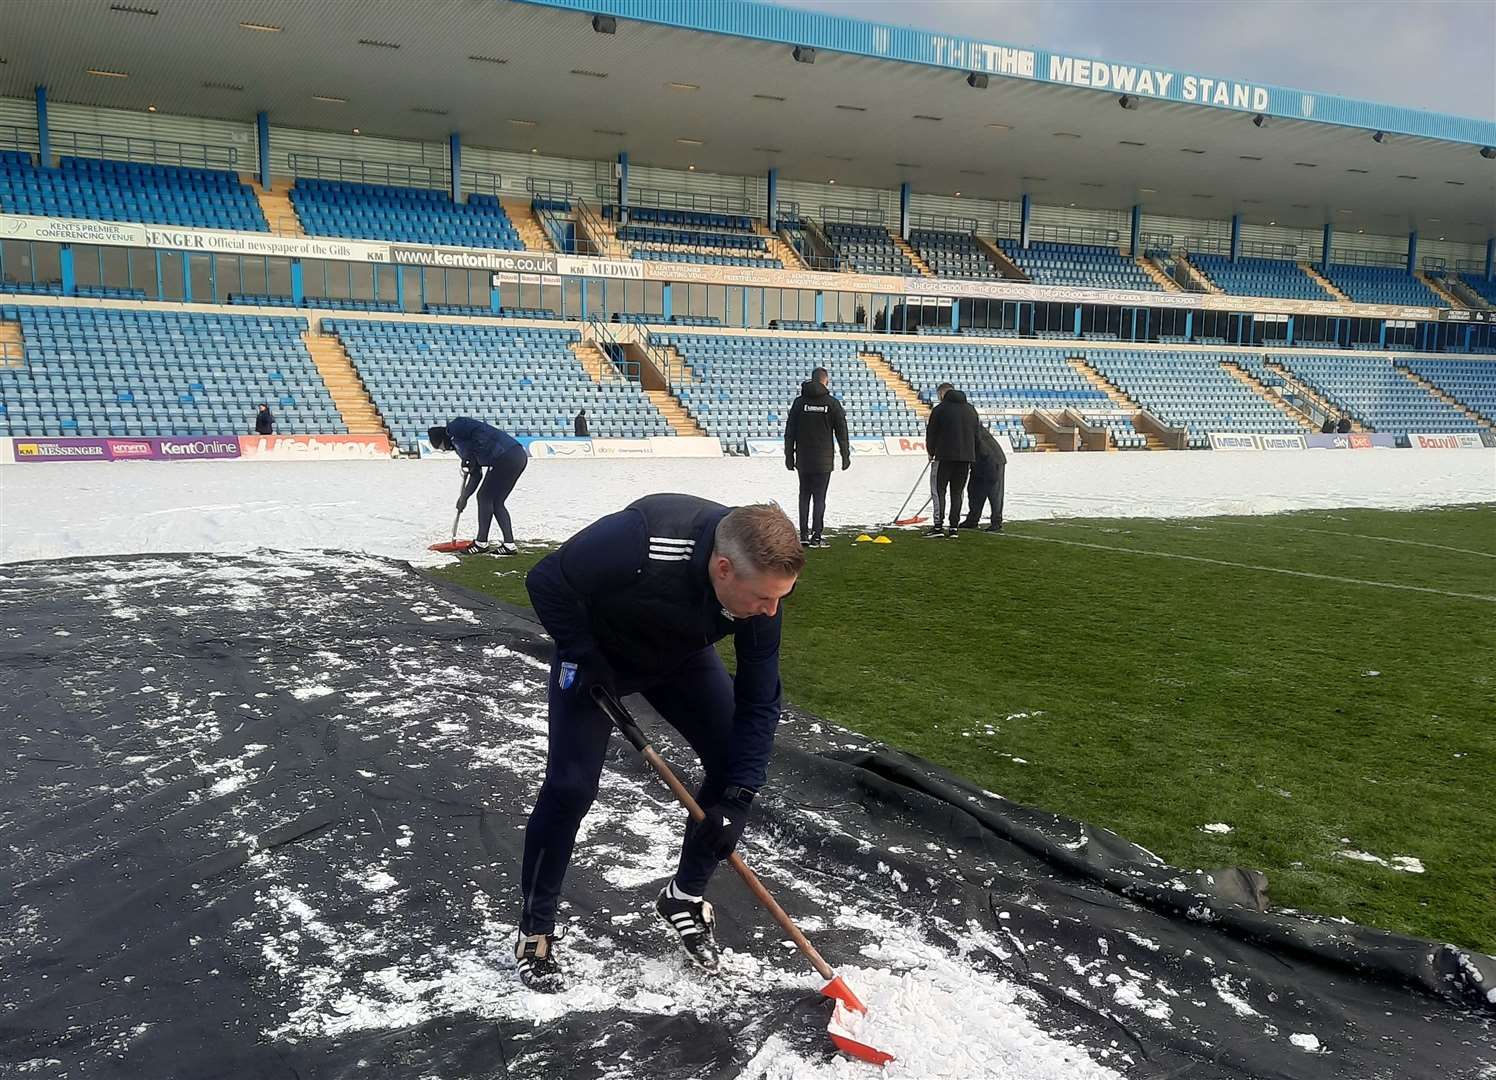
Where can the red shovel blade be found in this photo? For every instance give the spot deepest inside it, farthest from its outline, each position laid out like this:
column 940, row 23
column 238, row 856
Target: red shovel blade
column 452, row 546
column 910, row 521
column 843, row 1020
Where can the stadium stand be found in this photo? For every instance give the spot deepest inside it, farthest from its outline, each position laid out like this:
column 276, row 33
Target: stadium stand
column 665, row 235
column 1470, row 382
column 1088, row 265
column 54, row 288
column 1190, row 390
column 96, row 371
column 526, row 380
column 1253, row 276
column 743, row 386
column 402, row 214
column 1381, row 285
column 868, row 249
column 1005, row 383
column 1480, row 286
column 105, row 190
column 1372, row 391
column 954, row 254
column 334, row 303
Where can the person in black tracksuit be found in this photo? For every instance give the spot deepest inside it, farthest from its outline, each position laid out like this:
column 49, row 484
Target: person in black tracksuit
column 986, row 484
column 483, row 446
column 951, row 441
column 264, row 421
column 634, row 603
column 816, row 419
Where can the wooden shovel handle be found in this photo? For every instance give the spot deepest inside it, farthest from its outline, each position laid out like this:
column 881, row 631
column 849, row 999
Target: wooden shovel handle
column 625, row 723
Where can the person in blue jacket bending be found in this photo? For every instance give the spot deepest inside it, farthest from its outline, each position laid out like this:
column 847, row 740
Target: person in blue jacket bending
column 634, row 603
column 483, row 446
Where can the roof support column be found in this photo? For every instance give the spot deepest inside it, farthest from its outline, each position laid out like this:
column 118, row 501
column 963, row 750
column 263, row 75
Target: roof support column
column 454, row 156
column 1324, row 253
column 1235, row 237
column 69, row 273
column 1025, row 211
column 1490, row 257
column 43, row 135
column 771, row 218
column 262, row 144
column 904, row 210
column 1137, row 230
column 1412, row 252
column 621, row 171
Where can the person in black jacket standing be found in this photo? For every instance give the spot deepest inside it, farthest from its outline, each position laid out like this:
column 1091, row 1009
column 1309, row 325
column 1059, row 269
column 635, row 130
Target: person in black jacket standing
column 816, row 419
column 951, row 440
column 634, row 603
column 264, row 421
column 986, row 485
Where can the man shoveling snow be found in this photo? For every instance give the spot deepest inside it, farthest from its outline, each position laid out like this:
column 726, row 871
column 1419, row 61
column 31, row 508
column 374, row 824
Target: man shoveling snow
column 634, row 603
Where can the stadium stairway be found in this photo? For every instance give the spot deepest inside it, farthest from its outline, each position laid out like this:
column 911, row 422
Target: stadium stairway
column 275, row 204
column 1323, row 282
column 344, row 386
column 778, row 249
column 1153, row 270
column 1298, row 386
column 1443, row 395
column 1250, row 381
column 895, row 382
column 594, row 361
column 1119, row 399
column 1196, row 275
column 527, row 225
column 1439, row 290
column 999, row 257
column 913, row 256
column 12, row 344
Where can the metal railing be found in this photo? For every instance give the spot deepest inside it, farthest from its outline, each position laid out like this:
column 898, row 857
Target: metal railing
column 660, row 199
column 1155, row 241
column 12, row 354
column 22, row 140
column 617, row 367
column 786, row 208
column 393, row 174
column 96, row 144
column 555, row 227
column 547, row 188
column 1075, row 234
column 1432, row 264
column 1355, row 257
column 592, row 234
column 851, row 215
column 945, row 223
column 665, row 363
column 1007, row 228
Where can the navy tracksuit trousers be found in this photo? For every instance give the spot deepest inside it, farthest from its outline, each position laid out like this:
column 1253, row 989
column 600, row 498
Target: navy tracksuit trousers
column 696, row 699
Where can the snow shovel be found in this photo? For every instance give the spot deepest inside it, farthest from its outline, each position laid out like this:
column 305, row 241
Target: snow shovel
column 842, row 1022
column 454, row 545
column 915, row 518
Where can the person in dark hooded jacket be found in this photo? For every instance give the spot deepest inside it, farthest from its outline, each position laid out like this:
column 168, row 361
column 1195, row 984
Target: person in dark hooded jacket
column 986, row 485
column 483, row 446
column 817, row 424
column 951, row 441
column 264, row 421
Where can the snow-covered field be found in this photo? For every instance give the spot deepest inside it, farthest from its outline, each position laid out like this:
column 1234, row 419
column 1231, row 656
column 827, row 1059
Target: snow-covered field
column 397, row 508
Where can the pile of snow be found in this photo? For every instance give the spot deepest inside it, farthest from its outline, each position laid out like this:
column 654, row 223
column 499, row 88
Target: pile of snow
column 396, row 509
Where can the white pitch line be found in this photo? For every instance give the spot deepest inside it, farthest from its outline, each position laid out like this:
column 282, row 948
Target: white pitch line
column 1361, row 536
column 1252, row 566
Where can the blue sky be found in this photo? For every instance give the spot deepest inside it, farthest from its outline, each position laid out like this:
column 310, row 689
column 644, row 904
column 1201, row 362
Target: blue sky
column 1430, row 54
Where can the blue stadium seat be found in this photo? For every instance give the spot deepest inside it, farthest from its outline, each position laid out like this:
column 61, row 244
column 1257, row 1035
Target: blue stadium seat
column 527, row 380
column 112, row 371
column 104, row 190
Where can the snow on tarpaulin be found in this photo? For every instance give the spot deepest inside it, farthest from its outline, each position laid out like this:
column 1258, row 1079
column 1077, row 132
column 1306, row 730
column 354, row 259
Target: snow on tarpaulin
column 263, row 818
